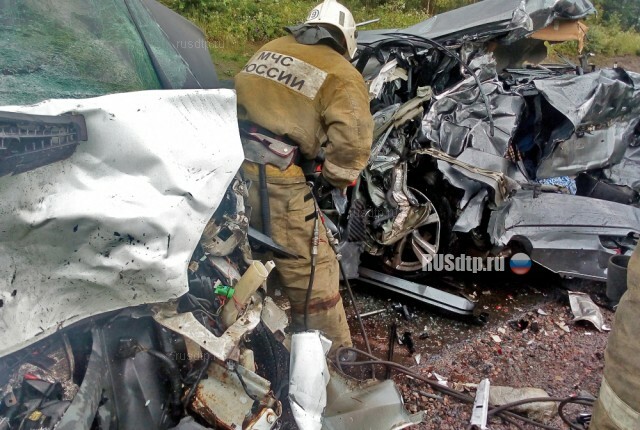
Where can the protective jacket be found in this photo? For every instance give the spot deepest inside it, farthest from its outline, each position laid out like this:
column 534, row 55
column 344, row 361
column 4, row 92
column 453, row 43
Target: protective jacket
column 313, row 96
column 618, row 405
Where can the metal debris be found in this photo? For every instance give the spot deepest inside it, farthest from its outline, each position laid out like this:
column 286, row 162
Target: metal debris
column 481, row 406
column 309, row 376
column 584, row 309
column 365, row 405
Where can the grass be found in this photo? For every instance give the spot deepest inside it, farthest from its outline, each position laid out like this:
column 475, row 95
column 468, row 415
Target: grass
column 235, row 29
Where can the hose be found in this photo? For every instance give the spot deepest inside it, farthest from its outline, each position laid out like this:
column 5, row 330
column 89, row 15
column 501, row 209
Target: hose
column 315, row 241
column 333, row 242
column 173, row 375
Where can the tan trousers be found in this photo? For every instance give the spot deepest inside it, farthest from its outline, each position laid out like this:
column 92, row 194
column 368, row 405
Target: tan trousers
column 292, row 221
column 618, row 405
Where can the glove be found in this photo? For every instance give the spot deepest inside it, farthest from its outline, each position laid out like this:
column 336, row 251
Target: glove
column 321, row 187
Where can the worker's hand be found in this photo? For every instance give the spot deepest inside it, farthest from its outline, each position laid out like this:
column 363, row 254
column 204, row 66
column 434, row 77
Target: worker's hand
column 321, row 187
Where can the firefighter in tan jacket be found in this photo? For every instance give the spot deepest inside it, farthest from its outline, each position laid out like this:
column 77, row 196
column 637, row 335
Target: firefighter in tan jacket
column 296, row 95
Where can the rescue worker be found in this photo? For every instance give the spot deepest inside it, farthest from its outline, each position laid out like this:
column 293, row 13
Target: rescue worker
column 297, row 94
column 618, row 404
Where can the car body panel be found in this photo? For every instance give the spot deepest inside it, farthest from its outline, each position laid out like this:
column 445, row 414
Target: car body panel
column 114, row 225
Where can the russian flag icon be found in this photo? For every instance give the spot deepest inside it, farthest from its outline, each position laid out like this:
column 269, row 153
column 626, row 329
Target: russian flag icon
column 520, row 264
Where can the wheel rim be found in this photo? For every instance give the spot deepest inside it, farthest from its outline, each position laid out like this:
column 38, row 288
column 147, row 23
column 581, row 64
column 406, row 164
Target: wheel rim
column 418, row 248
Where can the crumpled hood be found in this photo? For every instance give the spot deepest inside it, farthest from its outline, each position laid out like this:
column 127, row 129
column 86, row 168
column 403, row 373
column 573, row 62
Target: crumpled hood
column 114, row 225
column 509, row 19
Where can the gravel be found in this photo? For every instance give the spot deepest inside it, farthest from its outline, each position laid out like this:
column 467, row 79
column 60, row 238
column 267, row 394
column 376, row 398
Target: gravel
column 529, row 341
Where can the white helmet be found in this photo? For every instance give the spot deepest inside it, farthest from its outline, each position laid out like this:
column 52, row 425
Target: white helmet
column 333, row 13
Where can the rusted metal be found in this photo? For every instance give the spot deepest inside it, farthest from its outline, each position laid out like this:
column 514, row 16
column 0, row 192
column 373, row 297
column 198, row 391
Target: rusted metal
column 223, row 402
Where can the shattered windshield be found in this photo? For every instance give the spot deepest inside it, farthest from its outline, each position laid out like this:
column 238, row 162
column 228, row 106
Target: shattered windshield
column 70, row 49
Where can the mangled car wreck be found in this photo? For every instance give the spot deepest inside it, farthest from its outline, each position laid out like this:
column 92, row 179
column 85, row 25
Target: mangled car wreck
column 129, row 296
column 478, row 147
column 110, row 318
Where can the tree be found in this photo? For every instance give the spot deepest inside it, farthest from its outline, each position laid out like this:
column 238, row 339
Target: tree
column 626, row 12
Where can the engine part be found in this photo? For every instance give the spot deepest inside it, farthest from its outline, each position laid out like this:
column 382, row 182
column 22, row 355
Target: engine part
column 233, row 397
column 31, row 141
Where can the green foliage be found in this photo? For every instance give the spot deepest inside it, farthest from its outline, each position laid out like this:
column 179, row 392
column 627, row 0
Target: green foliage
column 608, row 37
column 238, row 21
column 626, row 13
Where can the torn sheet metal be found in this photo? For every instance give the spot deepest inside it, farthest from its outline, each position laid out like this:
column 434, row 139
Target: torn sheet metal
column 222, row 348
column 564, row 230
column 425, row 294
column 274, row 318
column 114, row 225
column 562, row 31
column 584, row 309
column 627, row 172
column 370, row 404
column 602, row 110
column 463, row 175
column 480, row 411
column 458, row 118
column 471, row 216
column 222, row 400
column 509, row 19
column 308, row 378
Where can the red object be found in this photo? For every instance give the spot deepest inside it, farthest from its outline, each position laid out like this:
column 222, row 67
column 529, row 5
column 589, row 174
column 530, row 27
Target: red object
column 30, row 377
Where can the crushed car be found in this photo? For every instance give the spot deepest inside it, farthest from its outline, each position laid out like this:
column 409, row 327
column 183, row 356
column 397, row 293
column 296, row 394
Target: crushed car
column 481, row 149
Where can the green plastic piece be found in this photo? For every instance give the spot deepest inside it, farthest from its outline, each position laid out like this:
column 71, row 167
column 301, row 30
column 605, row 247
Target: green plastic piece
column 226, row 291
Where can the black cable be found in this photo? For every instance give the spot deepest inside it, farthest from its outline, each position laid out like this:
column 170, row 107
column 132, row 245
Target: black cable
column 585, row 401
column 333, row 243
column 173, row 374
column 499, row 411
column 244, row 386
column 314, row 254
column 357, row 312
column 192, row 390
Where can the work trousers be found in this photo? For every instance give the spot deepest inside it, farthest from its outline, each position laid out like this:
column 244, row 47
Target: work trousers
column 292, row 223
column 618, row 404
